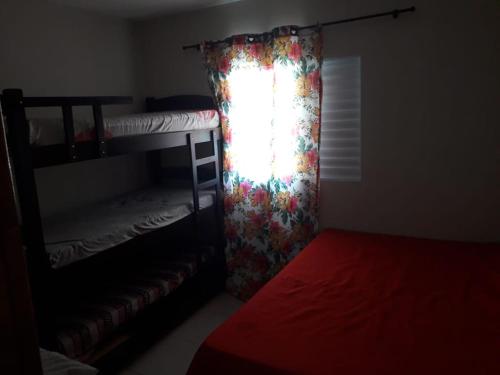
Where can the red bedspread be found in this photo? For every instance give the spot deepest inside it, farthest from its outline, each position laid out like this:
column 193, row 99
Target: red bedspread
column 356, row 304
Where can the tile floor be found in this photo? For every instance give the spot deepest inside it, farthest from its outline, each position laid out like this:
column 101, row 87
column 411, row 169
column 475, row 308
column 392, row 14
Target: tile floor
column 172, row 354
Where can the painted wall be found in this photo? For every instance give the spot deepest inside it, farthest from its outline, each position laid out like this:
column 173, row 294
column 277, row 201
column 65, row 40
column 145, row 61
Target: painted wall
column 48, row 49
column 430, row 110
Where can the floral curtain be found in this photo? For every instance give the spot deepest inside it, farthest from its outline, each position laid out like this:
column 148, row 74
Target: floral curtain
column 268, row 89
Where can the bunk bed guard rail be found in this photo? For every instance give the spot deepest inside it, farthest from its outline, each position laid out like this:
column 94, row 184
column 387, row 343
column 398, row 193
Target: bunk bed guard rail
column 14, row 104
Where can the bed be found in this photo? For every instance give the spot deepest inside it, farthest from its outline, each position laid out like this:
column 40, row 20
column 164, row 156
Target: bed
column 185, row 120
column 87, row 323
column 353, row 303
column 94, row 270
column 73, row 236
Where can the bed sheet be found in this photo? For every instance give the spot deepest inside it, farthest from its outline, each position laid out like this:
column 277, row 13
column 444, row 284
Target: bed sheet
column 79, row 234
column 353, row 303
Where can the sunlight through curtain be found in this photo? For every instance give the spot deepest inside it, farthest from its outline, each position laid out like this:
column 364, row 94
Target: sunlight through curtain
column 268, row 90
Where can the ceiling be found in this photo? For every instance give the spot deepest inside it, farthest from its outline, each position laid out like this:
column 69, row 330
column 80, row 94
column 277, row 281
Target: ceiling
column 141, row 8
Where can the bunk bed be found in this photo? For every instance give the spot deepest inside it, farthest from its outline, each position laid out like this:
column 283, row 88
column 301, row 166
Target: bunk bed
column 96, row 269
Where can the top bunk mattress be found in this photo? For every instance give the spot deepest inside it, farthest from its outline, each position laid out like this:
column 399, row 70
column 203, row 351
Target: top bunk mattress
column 76, row 235
column 44, row 132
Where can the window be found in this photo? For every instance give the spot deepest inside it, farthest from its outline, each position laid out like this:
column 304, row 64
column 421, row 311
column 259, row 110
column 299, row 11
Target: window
column 340, row 147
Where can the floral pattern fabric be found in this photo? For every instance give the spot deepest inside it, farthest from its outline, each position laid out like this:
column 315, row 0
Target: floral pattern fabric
column 268, row 89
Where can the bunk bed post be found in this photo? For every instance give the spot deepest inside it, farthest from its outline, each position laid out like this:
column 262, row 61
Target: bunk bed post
column 218, row 200
column 194, row 170
column 24, row 179
column 18, row 137
column 196, row 198
column 99, row 129
column 69, row 131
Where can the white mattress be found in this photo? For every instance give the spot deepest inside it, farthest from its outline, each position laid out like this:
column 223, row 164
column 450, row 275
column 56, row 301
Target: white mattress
column 45, row 132
column 56, row 364
column 77, row 235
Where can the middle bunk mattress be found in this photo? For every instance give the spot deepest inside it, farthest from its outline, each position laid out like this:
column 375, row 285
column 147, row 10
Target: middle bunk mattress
column 82, row 233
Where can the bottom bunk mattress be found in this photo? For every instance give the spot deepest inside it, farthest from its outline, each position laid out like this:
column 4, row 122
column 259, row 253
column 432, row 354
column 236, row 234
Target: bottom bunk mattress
column 87, row 321
column 353, row 303
column 76, row 235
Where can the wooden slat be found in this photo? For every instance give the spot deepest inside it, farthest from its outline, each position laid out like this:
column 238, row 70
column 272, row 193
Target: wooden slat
column 207, row 184
column 207, row 160
column 180, row 103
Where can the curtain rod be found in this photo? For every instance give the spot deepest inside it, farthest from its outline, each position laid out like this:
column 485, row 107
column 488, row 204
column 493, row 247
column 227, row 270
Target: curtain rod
column 394, row 13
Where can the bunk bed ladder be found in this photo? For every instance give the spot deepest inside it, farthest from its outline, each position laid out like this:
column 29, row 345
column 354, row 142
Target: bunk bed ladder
column 211, row 183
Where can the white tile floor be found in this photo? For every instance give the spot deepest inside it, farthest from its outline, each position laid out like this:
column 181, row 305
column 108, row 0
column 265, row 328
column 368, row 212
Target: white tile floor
column 173, row 354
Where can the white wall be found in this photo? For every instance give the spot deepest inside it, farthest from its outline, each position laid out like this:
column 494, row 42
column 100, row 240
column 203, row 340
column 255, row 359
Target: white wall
column 430, row 127
column 431, row 140
column 48, row 49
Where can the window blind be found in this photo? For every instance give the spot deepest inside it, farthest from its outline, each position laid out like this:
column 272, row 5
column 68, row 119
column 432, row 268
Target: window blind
column 340, row 142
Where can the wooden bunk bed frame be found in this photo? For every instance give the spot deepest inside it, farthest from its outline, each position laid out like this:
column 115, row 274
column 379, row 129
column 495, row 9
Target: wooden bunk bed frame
column 25, row 158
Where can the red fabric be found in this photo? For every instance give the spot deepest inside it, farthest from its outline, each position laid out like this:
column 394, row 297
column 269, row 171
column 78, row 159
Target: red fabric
column 353, row 304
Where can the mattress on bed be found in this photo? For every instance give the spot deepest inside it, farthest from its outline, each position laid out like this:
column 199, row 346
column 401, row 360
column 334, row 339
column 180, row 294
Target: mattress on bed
column 86, row 322
column 45, row 132
column 355, row 303
column 76, row 235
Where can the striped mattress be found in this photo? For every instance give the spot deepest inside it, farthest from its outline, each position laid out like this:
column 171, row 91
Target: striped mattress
column 95, row 319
